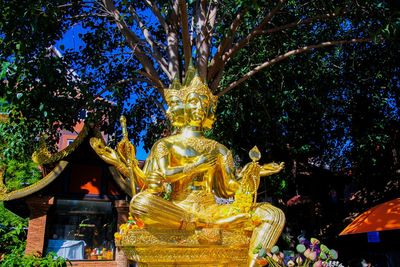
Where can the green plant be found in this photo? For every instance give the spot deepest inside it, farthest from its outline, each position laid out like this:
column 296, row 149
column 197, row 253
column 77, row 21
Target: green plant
column 20, row 173
column 12, row 249
column 16, row 258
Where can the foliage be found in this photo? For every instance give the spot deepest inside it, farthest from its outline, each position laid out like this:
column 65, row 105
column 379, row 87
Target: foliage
column 17, row 258
column 117, row 58
column 11, row 240
column 41, row 86
column 16, row 147
column 9, row 218
column 15, row 134
column 12, row 247
column 19, row 174
column 325, row 110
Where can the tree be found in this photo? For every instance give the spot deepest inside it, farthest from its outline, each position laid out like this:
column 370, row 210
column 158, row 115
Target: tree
column 130, row 52
column 16, row 171
column 332, row 116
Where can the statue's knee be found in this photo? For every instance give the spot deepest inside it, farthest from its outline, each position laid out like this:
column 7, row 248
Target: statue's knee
column 270, row 213
column 280, row 217
column 277, row 217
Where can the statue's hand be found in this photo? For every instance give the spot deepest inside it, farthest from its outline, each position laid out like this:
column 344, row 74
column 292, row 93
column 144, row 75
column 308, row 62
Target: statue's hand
column 271, row 168
column 108, row 154
column 205, row 162
column 249, row 178
column 155, row 182
column 249, row 169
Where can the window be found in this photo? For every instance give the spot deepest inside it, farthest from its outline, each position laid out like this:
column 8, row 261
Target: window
column 82, row 230
column 70, row 141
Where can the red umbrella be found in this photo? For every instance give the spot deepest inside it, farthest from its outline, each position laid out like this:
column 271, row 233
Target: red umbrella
column 385, row 216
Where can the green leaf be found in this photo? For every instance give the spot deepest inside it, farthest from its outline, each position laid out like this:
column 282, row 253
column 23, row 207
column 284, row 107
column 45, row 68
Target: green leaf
column 4, row 68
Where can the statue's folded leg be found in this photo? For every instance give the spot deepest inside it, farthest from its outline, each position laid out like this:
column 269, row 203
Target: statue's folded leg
column 268, row 232
column 158, row 212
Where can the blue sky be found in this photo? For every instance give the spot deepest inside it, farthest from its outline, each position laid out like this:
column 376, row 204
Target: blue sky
column 71, row 40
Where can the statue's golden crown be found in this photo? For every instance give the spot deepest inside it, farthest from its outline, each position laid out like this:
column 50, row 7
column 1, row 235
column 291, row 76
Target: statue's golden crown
column 192, row 84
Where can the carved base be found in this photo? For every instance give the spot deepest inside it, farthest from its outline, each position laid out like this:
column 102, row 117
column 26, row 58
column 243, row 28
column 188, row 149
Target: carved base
column 206, row 247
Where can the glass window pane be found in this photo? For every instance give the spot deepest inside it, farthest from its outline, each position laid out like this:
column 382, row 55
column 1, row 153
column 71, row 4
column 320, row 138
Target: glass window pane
column 82, row 230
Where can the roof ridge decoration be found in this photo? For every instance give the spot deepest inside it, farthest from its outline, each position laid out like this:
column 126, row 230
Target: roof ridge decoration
column 42, row 183
column 43, row 156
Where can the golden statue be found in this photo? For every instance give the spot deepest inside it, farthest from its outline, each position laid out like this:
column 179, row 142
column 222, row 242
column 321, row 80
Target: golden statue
column 186, row 171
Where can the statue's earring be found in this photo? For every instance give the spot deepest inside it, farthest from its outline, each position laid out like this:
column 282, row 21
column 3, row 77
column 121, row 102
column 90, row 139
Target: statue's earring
column 209, row 121
column 169, row 115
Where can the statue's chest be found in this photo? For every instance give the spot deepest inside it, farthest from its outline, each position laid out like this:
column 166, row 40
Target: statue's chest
column 191, row 148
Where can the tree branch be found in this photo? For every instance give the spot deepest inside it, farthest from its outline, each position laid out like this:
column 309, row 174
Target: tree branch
column 147, row 35
column 231, row 52
column 211, row 19
column 170, row 32
column 217, row 66
column 157, row 13
column 300, row 22
column 234, row 49
column 187, row 46
column 82, row 16
column 201, row 44
column 286, row 55
column 206, row 25
column 152, row 83
column 226, row 42
column 172, row 40
column 133, row 42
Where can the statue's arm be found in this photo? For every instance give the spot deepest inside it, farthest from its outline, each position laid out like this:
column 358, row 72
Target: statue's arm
column 175, row 173
column 227, row 184
column 172, row 174
column 161, row 154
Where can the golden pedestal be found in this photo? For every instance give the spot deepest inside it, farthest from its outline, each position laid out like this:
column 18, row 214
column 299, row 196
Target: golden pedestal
column 206, row 247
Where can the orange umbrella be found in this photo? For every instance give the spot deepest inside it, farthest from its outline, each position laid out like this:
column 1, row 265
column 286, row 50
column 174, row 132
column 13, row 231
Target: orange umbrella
column 385, row 216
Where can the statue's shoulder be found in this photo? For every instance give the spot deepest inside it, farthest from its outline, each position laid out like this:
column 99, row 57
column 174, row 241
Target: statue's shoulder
column 215, row 146
column 220, row 148
column 165, row 141
column 163, row 146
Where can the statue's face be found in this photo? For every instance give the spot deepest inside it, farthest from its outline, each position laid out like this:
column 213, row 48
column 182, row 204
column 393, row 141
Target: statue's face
column 176, row 111
column 196, row 109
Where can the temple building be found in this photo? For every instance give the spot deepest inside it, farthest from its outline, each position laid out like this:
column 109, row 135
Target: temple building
column 76, row 208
